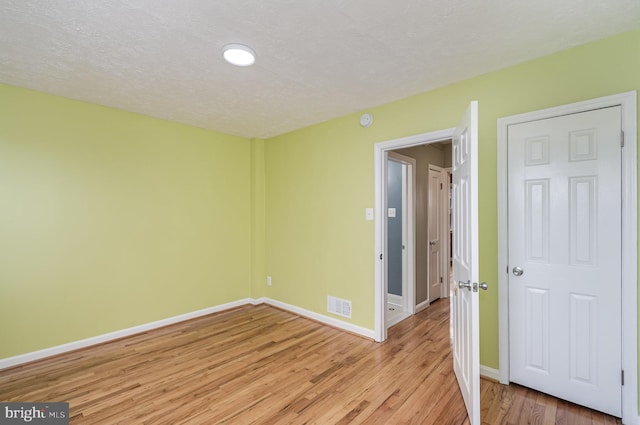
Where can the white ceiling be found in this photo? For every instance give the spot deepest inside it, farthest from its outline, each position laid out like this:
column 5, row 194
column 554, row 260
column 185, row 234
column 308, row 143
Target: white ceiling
column 317, row 60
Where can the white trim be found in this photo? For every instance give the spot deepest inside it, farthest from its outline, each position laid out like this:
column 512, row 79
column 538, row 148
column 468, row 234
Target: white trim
column 99, row 339
column 336, row 323
column 448, row 233
column 111, row 336
column 489, row 372
column 424, row 304
column 380, row 151
column 629, row 238
column 409, row 233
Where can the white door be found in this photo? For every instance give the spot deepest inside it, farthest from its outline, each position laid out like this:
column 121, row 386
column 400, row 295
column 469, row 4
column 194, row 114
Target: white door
column 564, row 212
column 464, row 303
column 435, row 250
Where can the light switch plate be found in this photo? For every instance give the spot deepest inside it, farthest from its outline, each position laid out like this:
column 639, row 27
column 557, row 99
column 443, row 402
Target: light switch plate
column 392, row 212
column 369, row 213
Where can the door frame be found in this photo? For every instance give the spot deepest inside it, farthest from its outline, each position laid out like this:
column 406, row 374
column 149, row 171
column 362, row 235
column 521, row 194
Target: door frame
column 380, row 152
column 448, row 232
column 627, row 101
column 408, row 231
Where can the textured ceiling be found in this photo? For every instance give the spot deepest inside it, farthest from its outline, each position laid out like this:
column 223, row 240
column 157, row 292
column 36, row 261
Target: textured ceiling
column 317, row 60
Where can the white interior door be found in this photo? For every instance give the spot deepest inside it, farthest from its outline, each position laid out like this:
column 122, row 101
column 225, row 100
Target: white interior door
column 464, row 303
column 564, row 213
column 436, row 247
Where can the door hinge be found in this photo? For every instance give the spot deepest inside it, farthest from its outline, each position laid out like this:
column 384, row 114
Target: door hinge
column 440, row 279
column 622, row 376
column 622, row 139
column 441, row 187
column 381, row 256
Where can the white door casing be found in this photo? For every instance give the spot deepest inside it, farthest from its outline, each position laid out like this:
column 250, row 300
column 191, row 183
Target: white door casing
column 437, row 244
column 447, row 233
column 465, row 301
column 405, row 239
column 628, row 255
column 564, row 236
column 381, row 151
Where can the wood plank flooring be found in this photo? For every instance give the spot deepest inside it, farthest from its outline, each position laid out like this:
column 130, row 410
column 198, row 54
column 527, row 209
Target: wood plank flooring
column 261, row 365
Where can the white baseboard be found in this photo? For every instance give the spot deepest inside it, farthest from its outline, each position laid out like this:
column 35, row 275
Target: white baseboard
column 336, row 323
column 75, row 345
column 422, row 306
column 490, row 373
column 83, row 343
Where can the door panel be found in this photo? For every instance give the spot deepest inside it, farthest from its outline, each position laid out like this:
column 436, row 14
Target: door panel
column 464, row 303
column 565, row 234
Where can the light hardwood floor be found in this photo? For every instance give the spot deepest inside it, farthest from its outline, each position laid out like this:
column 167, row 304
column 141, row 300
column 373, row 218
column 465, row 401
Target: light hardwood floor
column 261, row 365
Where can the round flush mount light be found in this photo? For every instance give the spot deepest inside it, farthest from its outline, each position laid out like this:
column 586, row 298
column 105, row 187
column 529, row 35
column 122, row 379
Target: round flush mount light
column 239, row 54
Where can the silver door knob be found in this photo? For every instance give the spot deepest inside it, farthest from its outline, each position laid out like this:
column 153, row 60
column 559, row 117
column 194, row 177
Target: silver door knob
column 466, row 284
column 517, row 271
column 483, row 286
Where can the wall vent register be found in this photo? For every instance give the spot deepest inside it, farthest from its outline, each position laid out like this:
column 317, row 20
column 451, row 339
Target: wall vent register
column 339, row 306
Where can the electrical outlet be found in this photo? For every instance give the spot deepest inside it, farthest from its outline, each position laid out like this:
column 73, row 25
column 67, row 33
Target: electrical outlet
column 268, row 280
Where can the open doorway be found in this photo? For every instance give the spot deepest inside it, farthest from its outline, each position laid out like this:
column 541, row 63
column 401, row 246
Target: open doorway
column 432, row 229
column 465, row 321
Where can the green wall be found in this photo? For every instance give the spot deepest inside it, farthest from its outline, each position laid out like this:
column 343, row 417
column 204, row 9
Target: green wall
column 110, row 219
column 319, row 180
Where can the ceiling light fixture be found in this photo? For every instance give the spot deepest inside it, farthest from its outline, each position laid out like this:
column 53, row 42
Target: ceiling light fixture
column 239, row 54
